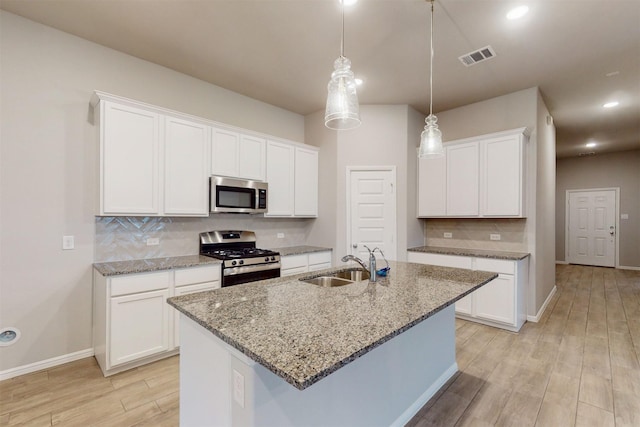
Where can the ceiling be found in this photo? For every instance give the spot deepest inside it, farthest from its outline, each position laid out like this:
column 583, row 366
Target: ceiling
column 581, row 53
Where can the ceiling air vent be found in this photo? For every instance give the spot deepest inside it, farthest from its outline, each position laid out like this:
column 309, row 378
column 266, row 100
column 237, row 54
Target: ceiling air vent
column 479, row 55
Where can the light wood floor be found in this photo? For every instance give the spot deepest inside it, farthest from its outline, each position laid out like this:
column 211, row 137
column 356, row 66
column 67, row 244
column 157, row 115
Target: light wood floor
column 579, row 366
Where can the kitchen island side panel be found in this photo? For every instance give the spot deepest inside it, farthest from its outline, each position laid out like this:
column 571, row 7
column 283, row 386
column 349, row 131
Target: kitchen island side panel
column 385, row 386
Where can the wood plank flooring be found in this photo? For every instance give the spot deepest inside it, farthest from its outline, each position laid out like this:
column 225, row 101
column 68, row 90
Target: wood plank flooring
column 579, row 366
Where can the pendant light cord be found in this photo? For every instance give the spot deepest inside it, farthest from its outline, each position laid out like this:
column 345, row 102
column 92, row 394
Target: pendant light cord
column 431, row 66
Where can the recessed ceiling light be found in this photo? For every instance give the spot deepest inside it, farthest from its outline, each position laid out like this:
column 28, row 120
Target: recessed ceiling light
column 590, row 144
column 348, row 2
column 518, row 12
column 611, row 104
column 359, row 81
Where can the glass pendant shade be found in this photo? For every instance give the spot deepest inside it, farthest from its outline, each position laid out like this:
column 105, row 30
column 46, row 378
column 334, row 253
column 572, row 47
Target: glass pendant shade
column 343, row 110
column 431, row 139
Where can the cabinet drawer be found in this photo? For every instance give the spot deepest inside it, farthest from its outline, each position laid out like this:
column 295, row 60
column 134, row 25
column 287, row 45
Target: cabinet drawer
column 294, row 261
column 190, row 276
column 134, row 283
column 440, row 260
column 494, row 265
column 292, row 271
column 320, row 258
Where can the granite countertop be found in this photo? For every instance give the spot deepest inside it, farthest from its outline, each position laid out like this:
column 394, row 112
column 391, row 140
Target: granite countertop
column 480, row 253
column 303, row 332
column 298, row 250
column 153, row 264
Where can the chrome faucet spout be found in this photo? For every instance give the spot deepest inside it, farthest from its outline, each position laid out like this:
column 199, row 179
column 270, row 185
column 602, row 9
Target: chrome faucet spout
column 350, row 257
column 371, row 268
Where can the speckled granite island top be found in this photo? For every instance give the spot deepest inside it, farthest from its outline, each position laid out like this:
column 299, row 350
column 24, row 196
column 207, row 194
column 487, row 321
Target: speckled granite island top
column 153, row 264
column 303, row 332
column 480, row 253
column 299, row 250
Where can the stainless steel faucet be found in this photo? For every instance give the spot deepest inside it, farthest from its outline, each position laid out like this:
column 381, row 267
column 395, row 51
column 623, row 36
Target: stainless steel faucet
column 372, row 263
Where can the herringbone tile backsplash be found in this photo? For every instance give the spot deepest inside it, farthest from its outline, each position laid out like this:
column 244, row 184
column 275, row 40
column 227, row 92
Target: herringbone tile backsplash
column 125, row 238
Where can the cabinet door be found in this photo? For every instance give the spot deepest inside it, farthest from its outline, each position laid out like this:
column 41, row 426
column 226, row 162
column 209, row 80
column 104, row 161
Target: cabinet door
column 184, row 290
column 502, row 175
column 251, row 158
column 462, row 179
column 319, row 260
column 225, row 149
column 280, row 176
column 495, row 301
column 186, row 172
column 464, row 305
column 129, row 153
column 432, row 187
column 139, row 326
column 306, row 183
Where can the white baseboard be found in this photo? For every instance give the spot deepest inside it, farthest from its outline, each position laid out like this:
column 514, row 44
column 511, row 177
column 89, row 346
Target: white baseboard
column 44, row 364
column 424, row 397
column 538, row 315
column 624, row 267
column 562, row 262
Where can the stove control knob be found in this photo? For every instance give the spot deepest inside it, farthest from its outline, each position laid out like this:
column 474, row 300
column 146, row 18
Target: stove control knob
column 266, row 259
column 233, row 263
column 241, row 262
column 273, row 258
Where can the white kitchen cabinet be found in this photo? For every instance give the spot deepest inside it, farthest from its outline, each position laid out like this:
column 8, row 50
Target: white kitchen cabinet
column 501, row 302
column 189, row 281
column 478, row 177
column 292, row 174
column 503, row 176
column 303, row 263
column 432, row 187
column 186, row 167
column 306, row 183
column 280, row 176
column 463, row 180
column 237, row 155
column 139, row 326
column 132, row 322
column 129, row 160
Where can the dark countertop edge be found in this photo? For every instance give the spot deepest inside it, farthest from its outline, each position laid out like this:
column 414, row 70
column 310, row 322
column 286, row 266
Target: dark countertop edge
column 333, row 368
column 479, row 253
column 134, row 266
column 300, row 249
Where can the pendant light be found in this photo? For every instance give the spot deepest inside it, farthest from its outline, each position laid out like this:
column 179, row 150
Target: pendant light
column 342, row 111
column 431, row 137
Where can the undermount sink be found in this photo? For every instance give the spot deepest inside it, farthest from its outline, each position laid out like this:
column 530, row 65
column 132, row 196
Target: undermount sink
column 339, row 278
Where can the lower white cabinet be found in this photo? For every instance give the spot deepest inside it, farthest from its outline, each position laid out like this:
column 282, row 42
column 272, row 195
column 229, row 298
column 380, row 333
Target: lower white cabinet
column 132, row 322
column 302, row 263
column 501, row 302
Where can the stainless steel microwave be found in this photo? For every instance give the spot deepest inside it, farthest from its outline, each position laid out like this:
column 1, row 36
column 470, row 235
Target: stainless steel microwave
column 231, row 195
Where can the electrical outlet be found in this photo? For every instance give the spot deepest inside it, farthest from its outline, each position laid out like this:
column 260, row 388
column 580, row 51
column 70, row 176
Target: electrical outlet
column 280, row 235
column 153, row 241
column 448, row 235
column 624, row 216
column 238, row 388
column 494, row 236
column 67, row 242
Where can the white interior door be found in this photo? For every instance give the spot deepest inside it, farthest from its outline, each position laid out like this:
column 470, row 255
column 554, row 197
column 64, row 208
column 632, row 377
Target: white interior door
column 591, row 226
column 372, row 212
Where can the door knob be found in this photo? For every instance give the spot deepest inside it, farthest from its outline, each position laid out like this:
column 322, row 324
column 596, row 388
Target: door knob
column 355, row 246
column 611, row 230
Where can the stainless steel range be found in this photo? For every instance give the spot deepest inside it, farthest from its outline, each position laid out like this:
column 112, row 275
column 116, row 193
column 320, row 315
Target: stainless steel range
column 242, row 261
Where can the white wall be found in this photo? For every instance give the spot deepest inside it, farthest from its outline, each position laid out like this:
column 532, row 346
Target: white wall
column 518, row 109
column 47, row 155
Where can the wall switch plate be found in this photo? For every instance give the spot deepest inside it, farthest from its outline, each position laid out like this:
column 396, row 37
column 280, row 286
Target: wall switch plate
column 67, row 243
column 448, row 235
column 280, row 235
column 494, row 236
column 238, row 388
column 153, row 241
column 624, row 216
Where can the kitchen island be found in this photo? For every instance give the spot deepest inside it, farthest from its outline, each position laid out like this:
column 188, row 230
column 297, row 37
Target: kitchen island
column 285, row 352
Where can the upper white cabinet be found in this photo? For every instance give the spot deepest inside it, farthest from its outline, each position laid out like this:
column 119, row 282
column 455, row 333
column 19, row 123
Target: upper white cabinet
column 186, row 167
column 129, row 160
column 306, row 183
column 463, row 179
column 237, row 155
column 478, row 177
column 292, row 174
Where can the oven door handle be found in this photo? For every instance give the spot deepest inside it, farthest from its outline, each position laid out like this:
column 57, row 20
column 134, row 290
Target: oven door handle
column 250, row 269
